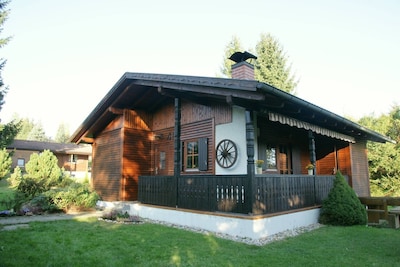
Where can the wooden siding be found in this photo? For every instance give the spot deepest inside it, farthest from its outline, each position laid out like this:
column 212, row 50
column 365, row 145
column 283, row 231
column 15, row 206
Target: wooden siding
column 201, row 129
column 165, row 143
column 190, row 113
column 81, row 164
column 107, row 165
column 359, row 169
column 137, row 119
column 344, row 162
column 136, row 161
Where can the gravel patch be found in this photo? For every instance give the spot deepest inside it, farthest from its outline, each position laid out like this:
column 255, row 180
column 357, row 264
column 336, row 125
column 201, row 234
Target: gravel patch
column 257, row 242
column 13, row 223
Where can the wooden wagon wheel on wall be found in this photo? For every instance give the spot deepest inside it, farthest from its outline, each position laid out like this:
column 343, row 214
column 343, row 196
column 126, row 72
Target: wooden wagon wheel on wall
column 226, row 153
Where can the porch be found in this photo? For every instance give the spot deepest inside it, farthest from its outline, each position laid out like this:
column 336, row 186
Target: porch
column 264, row 194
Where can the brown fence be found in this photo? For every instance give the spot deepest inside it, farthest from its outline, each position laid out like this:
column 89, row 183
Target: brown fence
column 232, row 193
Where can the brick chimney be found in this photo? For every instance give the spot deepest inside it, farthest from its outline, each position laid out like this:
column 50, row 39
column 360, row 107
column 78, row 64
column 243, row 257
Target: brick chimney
column 242, row 69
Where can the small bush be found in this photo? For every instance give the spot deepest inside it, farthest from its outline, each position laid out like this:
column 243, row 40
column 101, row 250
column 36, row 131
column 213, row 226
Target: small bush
column 76, row 195
column 120, row 216
column 342, row 206
column 38, row 205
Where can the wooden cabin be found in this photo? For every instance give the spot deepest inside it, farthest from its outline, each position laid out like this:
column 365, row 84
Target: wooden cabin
column 72, row 157
column 159, row 137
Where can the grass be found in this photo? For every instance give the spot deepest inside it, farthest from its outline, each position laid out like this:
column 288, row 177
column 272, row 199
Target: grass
column 97, row 243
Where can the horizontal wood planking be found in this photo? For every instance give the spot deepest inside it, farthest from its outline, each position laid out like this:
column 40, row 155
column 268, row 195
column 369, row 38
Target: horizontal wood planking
column 107, row 165
column 191, row 113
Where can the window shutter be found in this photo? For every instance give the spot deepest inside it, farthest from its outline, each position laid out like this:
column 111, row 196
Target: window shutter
column 203, row 154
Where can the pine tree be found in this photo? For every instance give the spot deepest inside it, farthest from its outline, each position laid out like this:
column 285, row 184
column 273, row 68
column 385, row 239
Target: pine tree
column 62, row 135
column 233, row 46
column 37, row 133
column 271, row 64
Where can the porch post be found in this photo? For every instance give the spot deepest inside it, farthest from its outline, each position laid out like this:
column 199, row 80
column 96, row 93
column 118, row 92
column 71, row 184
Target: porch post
column 250, row 160
column 311, row 147
column 177, row 146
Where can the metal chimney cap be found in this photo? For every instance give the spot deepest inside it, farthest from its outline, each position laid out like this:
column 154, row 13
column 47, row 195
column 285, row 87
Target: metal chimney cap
column 241, row 56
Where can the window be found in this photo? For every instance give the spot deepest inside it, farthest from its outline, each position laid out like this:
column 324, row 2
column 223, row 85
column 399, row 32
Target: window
column 192, row 155
column 277, row 158
column 162, row 160
column 195, row 155
column 74, row 158
column 21, row 162
column 270, row 161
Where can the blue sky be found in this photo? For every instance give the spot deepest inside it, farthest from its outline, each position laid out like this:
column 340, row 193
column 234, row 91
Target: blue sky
column 66, row 55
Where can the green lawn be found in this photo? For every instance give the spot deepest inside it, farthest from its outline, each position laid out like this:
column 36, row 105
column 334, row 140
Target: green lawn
column 96, row 243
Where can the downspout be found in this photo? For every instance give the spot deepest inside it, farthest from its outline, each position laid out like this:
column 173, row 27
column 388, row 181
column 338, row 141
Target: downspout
column 177, row 147
column 250, row 161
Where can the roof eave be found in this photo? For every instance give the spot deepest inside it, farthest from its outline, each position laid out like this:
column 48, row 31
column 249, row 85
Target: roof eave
column 373, row 136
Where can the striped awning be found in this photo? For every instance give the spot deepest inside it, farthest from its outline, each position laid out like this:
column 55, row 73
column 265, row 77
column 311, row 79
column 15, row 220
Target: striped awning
column 308, row 126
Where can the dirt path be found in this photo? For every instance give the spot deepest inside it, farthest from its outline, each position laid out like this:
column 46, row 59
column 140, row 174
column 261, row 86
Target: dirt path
column 14, row 222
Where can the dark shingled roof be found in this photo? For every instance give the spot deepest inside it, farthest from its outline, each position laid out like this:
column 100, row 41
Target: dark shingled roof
column 69, row 148
column 147, row 91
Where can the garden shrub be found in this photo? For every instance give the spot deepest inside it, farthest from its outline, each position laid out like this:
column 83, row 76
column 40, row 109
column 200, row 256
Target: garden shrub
column 42, row 173
column 76, row 195
column 45, row 187
column 39, row 204
column 342, row 206
column 5, row 163
column 44, row 168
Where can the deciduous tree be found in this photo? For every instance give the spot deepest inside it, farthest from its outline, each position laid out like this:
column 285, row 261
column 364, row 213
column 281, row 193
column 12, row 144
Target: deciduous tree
column 384, row 159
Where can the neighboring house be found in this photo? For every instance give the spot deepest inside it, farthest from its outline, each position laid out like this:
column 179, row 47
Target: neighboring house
column 72, row 157
column 192, row 142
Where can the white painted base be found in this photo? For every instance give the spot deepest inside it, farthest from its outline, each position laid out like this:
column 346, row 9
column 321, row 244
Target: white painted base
column 241, row 227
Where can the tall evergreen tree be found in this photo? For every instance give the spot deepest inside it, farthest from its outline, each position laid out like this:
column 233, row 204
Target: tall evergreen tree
column 7, row 131
column 26, row 126
column 62, row 135
column 271, row 65
column 37, row 133
column 233, row 46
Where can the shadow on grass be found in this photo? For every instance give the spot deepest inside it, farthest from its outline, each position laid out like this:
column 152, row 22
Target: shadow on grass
column 89, row 242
